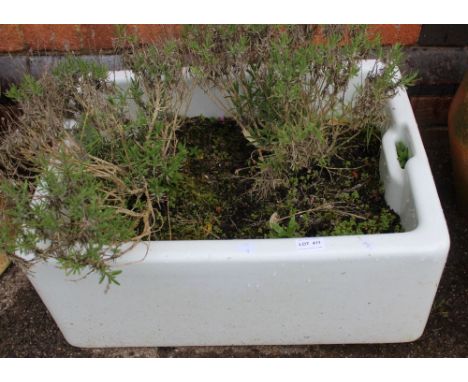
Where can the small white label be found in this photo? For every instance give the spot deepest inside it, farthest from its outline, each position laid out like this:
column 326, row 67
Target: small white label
column 310, row 243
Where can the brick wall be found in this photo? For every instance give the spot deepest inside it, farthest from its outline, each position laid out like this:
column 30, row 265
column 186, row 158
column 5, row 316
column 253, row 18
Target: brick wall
column 88, row 38
column 85, row 38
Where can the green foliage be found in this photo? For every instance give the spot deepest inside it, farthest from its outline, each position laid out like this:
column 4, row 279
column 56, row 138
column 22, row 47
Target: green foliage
column 109, row 179
column 28, row 87
column 403, row 154
column 282, row 231
column 69, row 219
column 289, row 95
column 378, row 224
column 76, row 68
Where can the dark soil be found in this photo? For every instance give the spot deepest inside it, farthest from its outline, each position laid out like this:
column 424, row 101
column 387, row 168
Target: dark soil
column 222, row 168
column 217, row 153
column 27, row 329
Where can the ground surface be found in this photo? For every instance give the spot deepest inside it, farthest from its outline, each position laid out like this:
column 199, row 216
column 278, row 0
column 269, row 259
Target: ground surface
column 27, row 329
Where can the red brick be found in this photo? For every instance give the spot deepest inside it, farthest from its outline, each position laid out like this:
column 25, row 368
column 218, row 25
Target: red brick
column 98, row 36
column 405, row 34
column 56, row 37
column 11, row 38
column 149, row 33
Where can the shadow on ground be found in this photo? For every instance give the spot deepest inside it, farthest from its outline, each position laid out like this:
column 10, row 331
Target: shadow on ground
column 27, row 329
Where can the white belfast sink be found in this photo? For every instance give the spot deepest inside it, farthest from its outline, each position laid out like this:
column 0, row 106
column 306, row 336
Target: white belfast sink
column 329, row 290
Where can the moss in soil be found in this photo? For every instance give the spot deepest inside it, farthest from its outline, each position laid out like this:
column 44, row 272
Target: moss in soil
column 217, row 201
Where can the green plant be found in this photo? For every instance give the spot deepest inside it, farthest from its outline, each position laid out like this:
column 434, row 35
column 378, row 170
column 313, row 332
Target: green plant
column 289, row 95
column 403, row 154
column 69, row 219
column 106, row 161
column 277, row 230
column 378, row 224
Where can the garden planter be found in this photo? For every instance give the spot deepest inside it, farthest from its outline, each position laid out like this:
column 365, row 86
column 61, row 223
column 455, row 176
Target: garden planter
column 322, row 290
column 458, row 137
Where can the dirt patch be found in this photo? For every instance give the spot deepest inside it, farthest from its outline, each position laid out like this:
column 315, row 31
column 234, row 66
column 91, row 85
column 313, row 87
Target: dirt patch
column 345, row 197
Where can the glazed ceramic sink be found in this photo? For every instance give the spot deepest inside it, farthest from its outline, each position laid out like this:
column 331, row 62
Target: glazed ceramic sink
column 322, row 290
